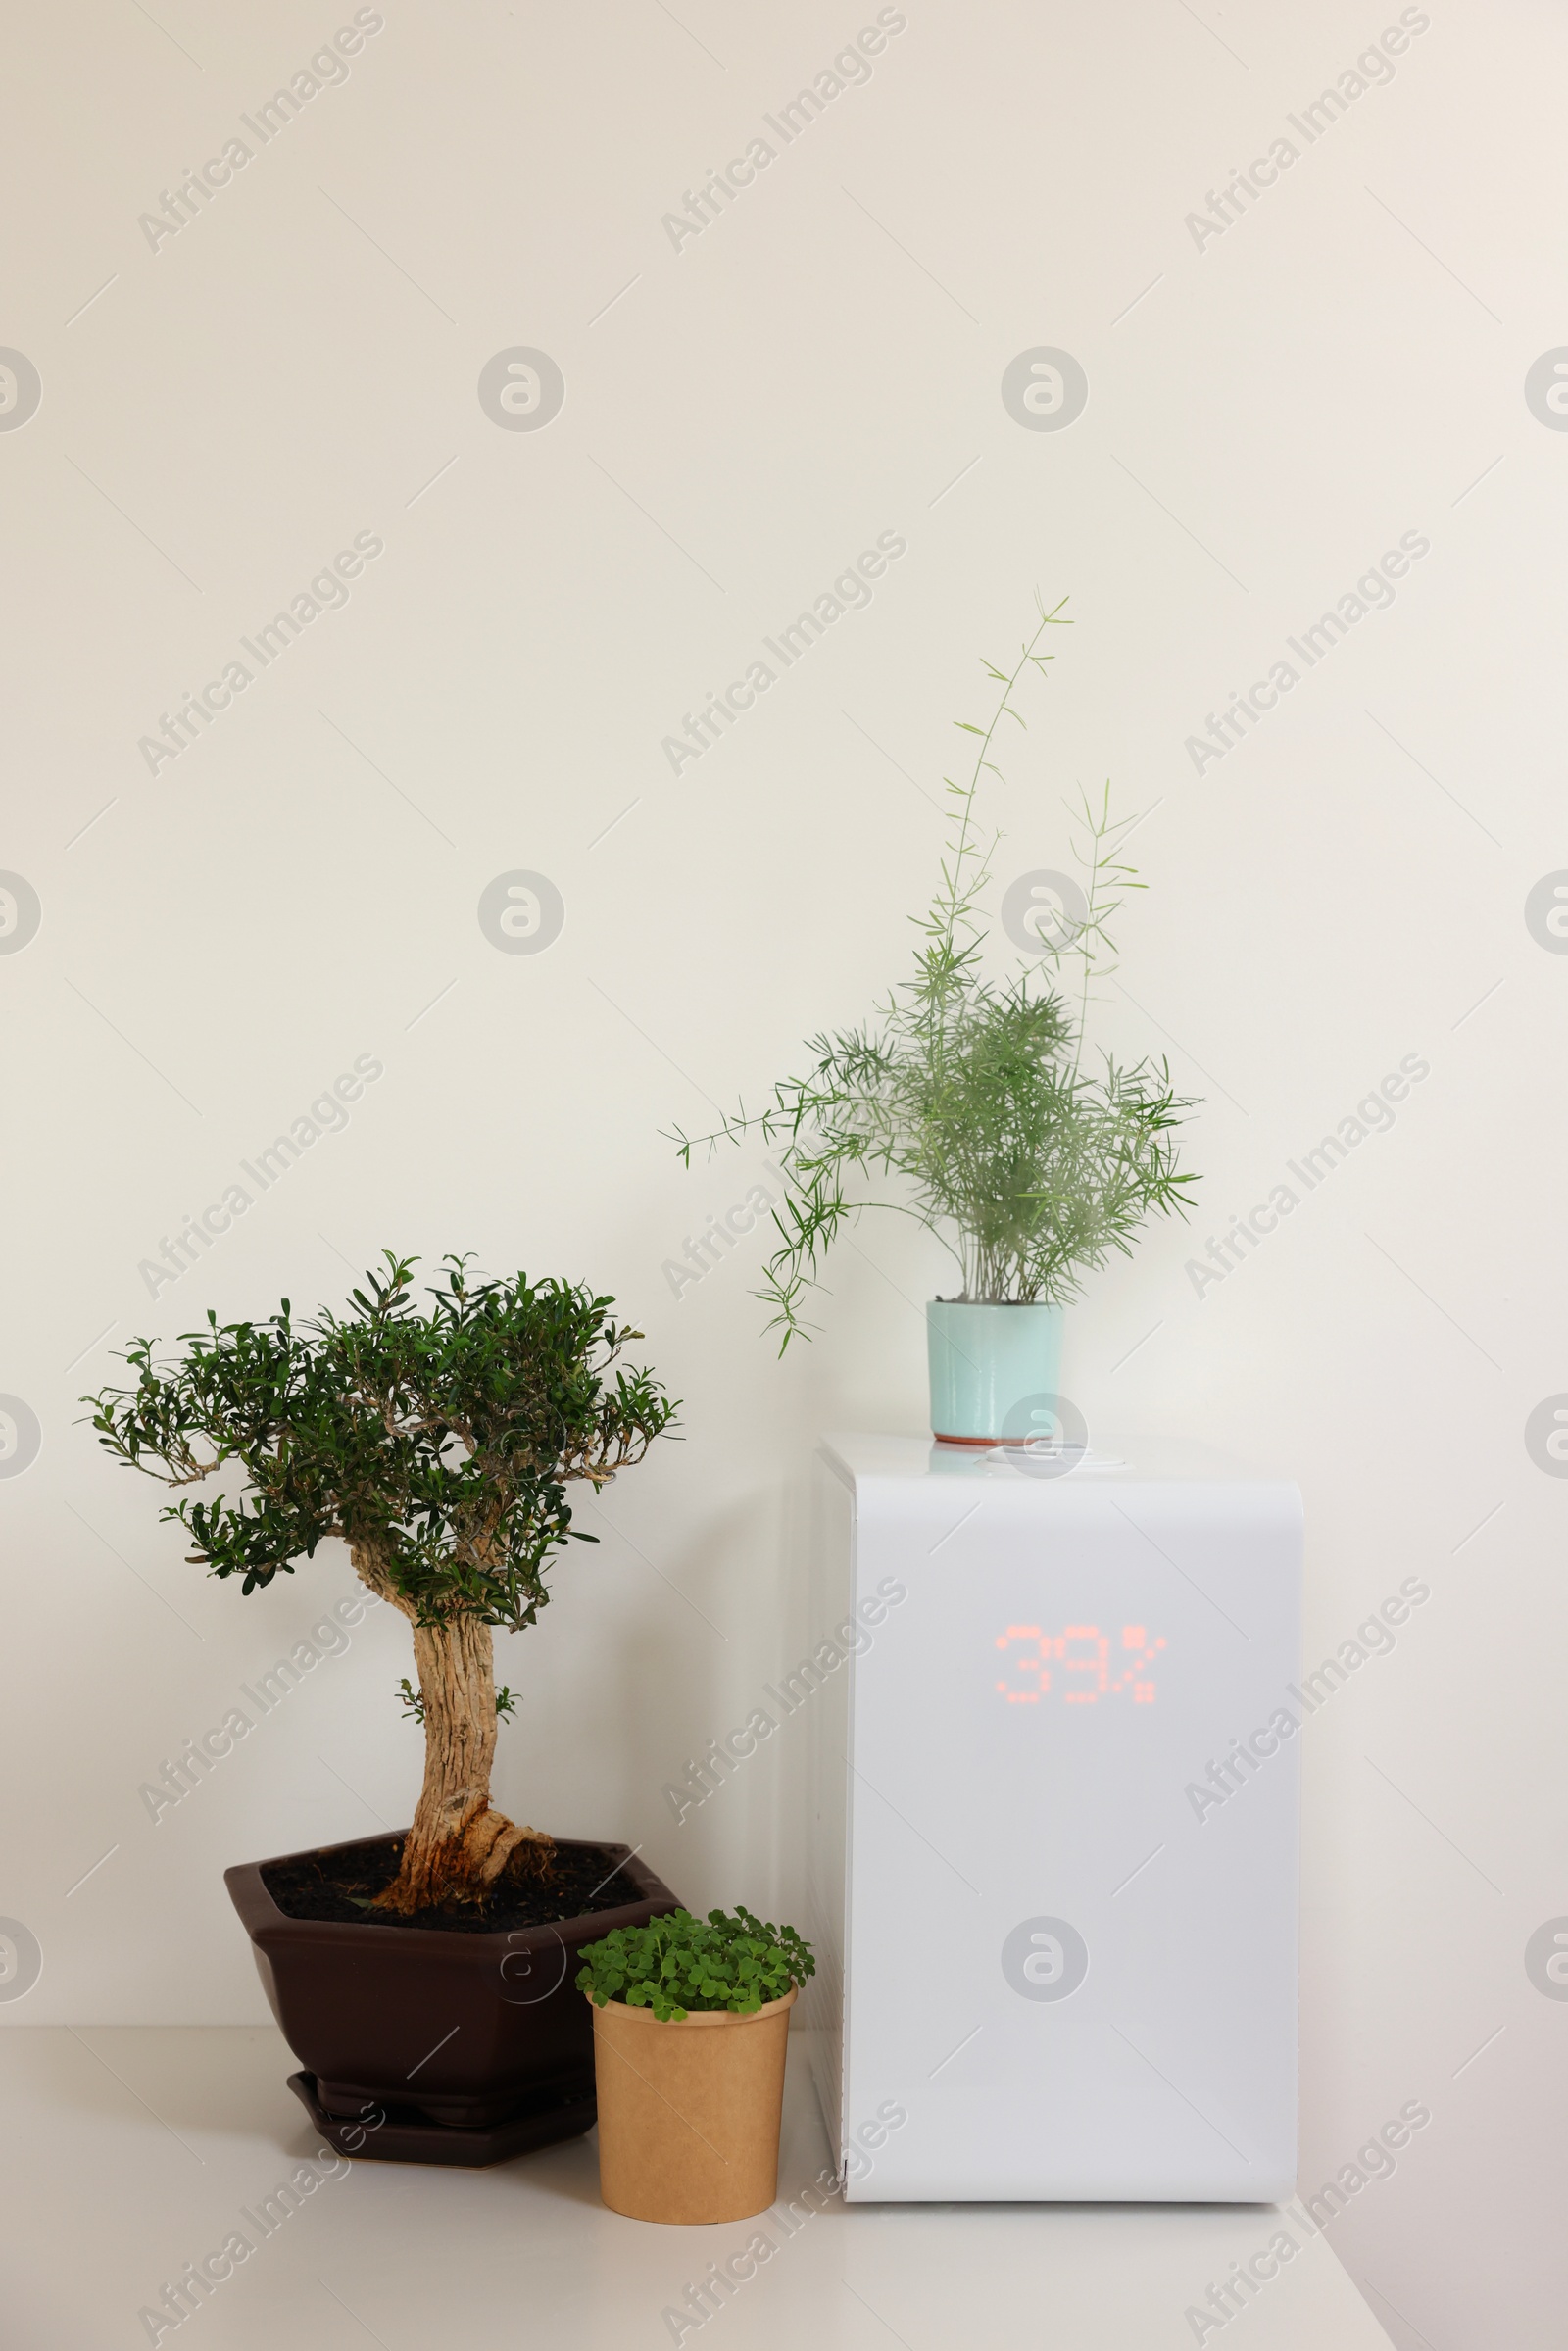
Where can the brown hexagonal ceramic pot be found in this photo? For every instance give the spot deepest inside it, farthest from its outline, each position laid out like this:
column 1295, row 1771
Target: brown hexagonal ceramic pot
column 426, row 2046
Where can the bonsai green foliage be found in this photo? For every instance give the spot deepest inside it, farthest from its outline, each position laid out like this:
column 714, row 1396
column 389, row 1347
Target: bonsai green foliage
column 678, row 1963
column 1031, row 1167
column 438, row 1443
column 414, row 1705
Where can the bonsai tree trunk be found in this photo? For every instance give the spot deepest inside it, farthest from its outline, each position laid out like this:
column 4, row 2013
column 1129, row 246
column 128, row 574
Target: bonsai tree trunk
column 459, row 1844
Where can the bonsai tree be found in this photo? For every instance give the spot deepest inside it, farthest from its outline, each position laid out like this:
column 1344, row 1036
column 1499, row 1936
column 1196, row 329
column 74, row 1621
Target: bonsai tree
column 438, row 1445
column 972, row 1094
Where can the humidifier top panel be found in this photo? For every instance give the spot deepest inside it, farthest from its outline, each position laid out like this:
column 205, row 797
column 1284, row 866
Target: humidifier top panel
column 1103, row 1460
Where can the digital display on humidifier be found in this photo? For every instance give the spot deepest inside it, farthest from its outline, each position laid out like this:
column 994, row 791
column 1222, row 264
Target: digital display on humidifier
column 1080, row 1665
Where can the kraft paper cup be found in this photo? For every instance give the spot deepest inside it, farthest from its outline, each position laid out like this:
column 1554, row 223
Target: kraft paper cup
column 688, row 2112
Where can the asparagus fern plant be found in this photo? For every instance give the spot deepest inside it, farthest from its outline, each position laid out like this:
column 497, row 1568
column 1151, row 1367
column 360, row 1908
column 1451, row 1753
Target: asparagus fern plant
column 970, row 1098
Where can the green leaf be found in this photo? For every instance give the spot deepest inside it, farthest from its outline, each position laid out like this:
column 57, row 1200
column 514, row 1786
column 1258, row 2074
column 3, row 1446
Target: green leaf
column 440, row 1440
column 678, row 1964
column 968, row 1103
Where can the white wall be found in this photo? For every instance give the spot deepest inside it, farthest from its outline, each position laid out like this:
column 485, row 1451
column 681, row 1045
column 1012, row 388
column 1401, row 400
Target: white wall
column 1269, row 410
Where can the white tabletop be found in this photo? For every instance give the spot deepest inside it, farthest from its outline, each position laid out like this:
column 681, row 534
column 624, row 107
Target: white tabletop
column 163, row 2135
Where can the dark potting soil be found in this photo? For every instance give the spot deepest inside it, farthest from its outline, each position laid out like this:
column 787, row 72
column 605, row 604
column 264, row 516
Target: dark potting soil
column 578, row 1881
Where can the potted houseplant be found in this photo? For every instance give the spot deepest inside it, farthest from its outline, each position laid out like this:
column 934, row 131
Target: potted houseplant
column 973, row 1095
column 422, row 1978
column 690, row 2021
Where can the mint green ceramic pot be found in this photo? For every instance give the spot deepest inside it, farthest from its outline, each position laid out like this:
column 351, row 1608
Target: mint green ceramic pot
column 985, row 1360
